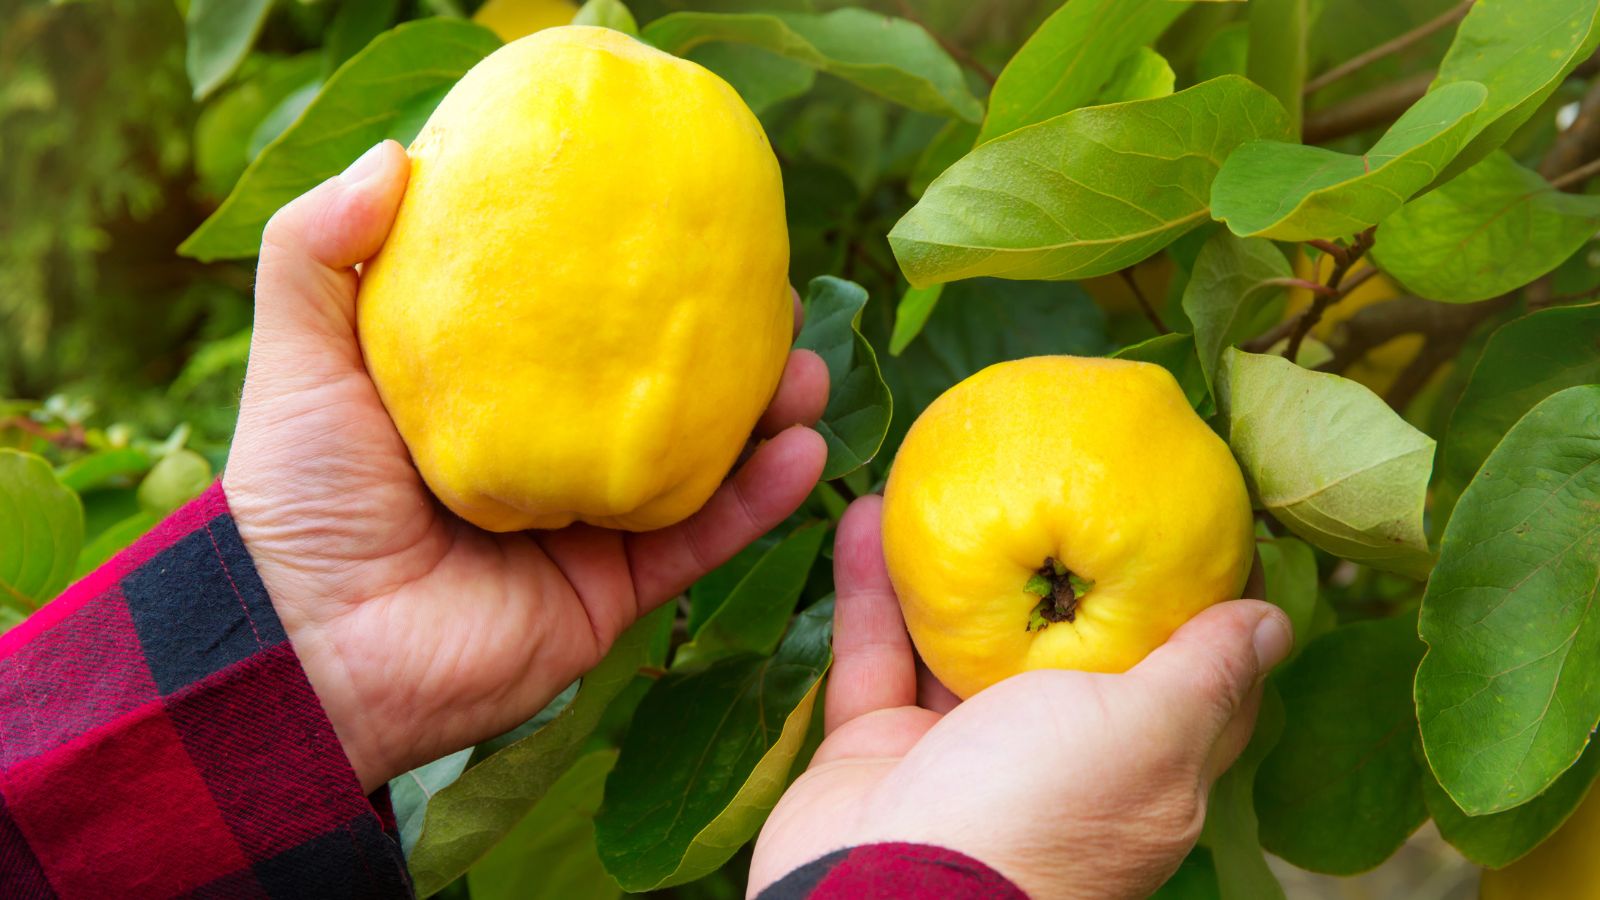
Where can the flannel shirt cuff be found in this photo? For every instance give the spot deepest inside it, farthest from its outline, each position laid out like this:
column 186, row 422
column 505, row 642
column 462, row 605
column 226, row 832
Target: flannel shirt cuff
column 158, row 738
column 893, row 872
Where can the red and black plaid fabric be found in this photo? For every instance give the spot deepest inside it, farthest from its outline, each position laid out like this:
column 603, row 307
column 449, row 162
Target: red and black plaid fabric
column 893, row 872
column 158, row 738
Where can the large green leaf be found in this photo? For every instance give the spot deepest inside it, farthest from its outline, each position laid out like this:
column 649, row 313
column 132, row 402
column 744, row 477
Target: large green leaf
column 1342, row 790
column 1499, row 839
column 893, row 58
column 1524, row 362
column 1235, row 291
column 1330, row 460
column 1070, row 58
column 1085, row 193
column 859, row 403
column 1510, row 689
column 1232, row 831
column 1276, row 54
column 220, row 34
column 1290, row 568
column 706, row 758
column 41, row 530
column 761, row 78
column 550, row 855
column 1294, row 192
column 1495, row 228
column 385, row 91
column 1521, row 50
column 1196, row 879
column 472, row 813
column 753, row 616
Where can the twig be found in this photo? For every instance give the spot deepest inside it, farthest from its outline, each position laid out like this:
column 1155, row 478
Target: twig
column 1580, row 140
column 1331, row 248
column 1577, row 176
column 1373, row 326
column 1144, row 302
column 956, row 53
column 1389, row 48
column 1312, row 316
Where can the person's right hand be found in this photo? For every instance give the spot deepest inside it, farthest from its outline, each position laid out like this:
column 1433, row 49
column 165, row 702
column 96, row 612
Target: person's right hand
column 1071, row 784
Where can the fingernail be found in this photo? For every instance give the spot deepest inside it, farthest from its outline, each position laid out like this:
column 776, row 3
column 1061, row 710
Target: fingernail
column 370, row 163
column 1273, row 640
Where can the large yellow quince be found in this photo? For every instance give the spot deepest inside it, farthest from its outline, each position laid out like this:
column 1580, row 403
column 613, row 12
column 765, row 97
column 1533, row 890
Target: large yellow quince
column 1059, row 512
column 512, row 19
column 583, row 306
column 1564, row 867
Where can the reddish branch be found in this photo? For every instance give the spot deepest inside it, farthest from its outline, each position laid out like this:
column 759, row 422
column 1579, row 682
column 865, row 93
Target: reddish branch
column 1382, row 51
column 1144, row 302
column 1337, row 290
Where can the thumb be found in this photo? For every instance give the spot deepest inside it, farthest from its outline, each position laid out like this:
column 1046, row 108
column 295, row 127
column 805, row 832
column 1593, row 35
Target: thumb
column 306, row 279
column 1206, row 676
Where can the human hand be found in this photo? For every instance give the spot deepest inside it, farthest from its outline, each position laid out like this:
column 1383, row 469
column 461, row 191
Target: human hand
column 421, row 633
column 1071, row 784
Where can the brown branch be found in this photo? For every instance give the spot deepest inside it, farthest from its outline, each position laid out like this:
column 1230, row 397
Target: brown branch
column 1369, row 110
column 1373, row 326
column 1310, row 318
column 957, row 53
column 1389, row 48
column 1580, row 141
column 1436, row 351
column 1144, row 302
column 1577, row 176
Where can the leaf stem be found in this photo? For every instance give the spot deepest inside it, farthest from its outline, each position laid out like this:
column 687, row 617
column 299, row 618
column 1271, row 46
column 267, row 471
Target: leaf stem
column 1389, row 48
column 1144, row 302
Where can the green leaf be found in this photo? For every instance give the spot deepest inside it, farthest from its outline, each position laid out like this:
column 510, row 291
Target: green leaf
column 551, row 855
column 1525, row 361
column 41, row 529
column 1342, row 790
column 950, row 144
column 353, row 27
column 280, row 117
column 1085, row 193
column 611, row 14
column 755, row 613
column 893, row 58
column 223, row 132
column 1495, row 228
column 412, row 792
column 706, row 758
column 1330, row 460
column 1176, row 354
column 1196, row 879
column 364, row 102
column 1292, row 192
column 220, row 34
column 1276, row 58
column 763, row 79
column 1145, row 75
column 1070, row 58
column 1499, row 839
column 112, row 540
column 1235, row 292
column 859, row 403
column 1521, row 50
column 1510, row 689
column 1226, row 52
column 912, row 313
column 1232, row 831
column 1290, row 568
column 102, row 467
column 470, row 815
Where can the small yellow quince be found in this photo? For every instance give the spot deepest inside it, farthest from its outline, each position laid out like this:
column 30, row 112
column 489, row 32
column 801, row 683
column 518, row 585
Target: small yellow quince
column 583, row 306
column 512, row 19
column 1060, row 512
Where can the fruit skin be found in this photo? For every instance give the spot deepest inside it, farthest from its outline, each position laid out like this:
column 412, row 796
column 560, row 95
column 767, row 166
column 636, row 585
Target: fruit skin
column 1098, row 463
column 512, row 19
column 1564, row 867
column 583, row 306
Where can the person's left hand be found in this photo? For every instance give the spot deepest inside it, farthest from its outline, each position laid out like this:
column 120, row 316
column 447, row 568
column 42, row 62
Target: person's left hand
column 420, row 633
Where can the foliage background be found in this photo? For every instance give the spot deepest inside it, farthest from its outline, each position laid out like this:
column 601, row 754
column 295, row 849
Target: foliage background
column 121, row 359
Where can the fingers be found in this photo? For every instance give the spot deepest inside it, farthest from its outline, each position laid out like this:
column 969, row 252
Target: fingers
column 873, row 665
column 770, row 486
column 1206, row 676
column 931, row 692
column 802, row 394
column 306, row 281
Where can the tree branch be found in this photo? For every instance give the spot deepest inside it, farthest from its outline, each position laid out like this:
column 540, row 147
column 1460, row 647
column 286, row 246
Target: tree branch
column 1389, row 48
column 1367, row 110
column 1144, row 302
column 1341, row 268
column 1579, row 142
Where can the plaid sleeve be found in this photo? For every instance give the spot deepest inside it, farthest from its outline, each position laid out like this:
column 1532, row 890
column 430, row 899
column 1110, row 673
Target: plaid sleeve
column 158, row 738
column 893, row 872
